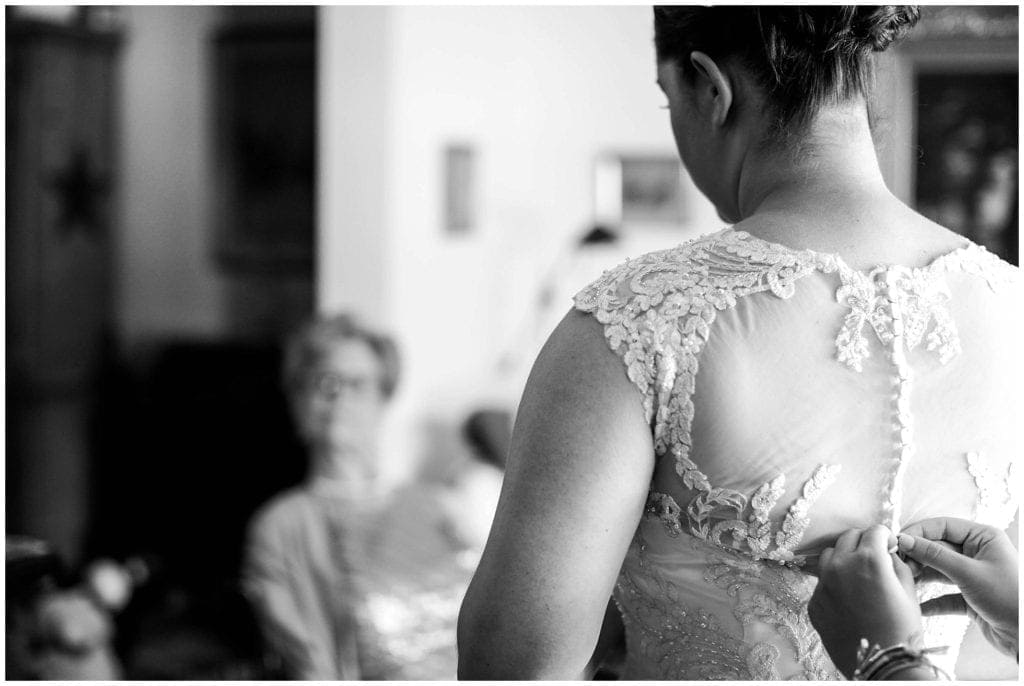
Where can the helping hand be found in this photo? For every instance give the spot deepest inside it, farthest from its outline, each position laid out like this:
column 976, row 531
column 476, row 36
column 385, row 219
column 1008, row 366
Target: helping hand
column 982, row 561
column 863, row 591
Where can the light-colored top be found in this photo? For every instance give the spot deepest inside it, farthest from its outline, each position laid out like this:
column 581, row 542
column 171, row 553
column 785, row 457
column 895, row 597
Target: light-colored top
column 791, row 398
column 349, row 587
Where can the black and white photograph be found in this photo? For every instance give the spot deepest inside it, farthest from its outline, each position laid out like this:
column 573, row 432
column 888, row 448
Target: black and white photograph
column 512, row 342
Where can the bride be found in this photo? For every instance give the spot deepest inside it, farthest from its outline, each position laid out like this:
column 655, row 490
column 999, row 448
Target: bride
column 710, row 417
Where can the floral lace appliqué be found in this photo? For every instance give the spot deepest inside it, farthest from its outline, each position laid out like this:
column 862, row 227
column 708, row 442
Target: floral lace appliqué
column 682, row 641
column 777, row 597
column 798, row 518
column 714, row 514
column 922, row 297
column 657, row 313
column 665, row 508
column 658, row 310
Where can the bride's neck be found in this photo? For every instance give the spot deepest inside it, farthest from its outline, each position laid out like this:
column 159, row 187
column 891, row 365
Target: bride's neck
column 833, row 164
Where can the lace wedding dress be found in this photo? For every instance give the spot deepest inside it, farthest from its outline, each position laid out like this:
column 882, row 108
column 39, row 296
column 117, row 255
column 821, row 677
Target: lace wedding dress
column 826, row 398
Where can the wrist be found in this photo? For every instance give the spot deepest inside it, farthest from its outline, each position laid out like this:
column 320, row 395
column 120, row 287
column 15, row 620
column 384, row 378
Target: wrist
column 912, row 672
column 896, row 662
column 1002, row 639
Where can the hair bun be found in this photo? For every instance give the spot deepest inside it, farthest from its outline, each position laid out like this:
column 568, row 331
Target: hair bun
column 803, row 56
column 837, row 29
column 881, row 26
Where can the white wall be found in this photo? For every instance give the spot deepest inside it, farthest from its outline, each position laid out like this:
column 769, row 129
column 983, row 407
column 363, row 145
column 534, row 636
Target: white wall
column 539, row 92
column 353, row 135
column 166, row 279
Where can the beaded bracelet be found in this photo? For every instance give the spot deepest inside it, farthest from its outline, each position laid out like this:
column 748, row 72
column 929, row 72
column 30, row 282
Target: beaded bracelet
column 877, row 664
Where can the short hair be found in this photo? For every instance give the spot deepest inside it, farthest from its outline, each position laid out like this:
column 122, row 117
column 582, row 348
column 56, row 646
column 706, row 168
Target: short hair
column 803, row 56
column 320, row 333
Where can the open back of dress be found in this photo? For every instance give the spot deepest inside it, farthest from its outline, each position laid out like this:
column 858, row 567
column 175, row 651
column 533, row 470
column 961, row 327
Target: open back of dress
column 791, row 398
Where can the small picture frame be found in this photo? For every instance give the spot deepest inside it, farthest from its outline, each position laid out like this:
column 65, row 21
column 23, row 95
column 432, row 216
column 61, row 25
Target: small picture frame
column 639, row 190
column 459, row 188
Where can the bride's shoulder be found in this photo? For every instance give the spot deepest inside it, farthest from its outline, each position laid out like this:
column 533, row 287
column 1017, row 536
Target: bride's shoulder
column 726, row 260
column 976, row 260
column 617, row 281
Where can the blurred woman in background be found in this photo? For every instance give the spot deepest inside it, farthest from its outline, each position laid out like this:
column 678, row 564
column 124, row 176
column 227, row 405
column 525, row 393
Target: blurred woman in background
column 353, row 576
column 858, row 365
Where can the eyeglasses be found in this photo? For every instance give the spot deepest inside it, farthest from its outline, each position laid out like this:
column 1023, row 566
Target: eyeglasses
column 329, row 385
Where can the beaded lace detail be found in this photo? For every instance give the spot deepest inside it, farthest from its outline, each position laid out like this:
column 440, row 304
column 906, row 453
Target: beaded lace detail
column 719, row 512
column 658, row 312
column 684, row 641
column 776, row 596
column 660, row 307
column 900, row 304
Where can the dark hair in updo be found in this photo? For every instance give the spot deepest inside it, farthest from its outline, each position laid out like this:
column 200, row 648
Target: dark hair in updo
column 803, row 56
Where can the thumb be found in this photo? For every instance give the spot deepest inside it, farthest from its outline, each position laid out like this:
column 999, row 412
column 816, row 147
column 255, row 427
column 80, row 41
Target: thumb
column 932, row 554
column 904, row 573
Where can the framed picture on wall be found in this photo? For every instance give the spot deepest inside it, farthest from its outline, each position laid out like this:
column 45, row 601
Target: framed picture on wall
column 639, row 190
column 265, row 137
column 460, row 188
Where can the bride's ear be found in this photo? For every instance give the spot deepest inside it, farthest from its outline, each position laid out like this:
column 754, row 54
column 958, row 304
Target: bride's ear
column 714, row 89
